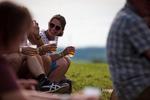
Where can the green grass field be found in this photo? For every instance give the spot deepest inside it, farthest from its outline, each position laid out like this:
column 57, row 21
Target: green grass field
column 90, row 74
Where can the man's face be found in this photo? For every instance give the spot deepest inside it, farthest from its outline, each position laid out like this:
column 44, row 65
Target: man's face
column 142, row 7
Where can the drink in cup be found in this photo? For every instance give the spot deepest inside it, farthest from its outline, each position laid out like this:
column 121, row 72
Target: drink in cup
column 53, row 44
column 71, row 54
column 33, row 46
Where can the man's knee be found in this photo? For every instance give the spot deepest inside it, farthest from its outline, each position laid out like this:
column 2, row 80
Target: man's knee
column 39, row 58
column 47, row 60
column 62, row 63
column 68, row 60
column 14, row 60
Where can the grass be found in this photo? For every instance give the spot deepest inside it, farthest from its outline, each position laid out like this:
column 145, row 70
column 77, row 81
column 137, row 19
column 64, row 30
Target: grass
column 90, row 74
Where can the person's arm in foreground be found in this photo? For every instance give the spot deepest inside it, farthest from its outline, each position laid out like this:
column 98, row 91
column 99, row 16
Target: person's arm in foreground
column 21, row 94
column 9, row 88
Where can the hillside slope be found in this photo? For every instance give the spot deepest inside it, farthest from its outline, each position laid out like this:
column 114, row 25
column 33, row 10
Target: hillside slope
column 90, row 54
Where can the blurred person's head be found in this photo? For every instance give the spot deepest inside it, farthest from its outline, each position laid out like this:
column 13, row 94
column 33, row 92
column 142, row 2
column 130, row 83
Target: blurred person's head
column 141, row 6
column 13, row 26
column 56, row 25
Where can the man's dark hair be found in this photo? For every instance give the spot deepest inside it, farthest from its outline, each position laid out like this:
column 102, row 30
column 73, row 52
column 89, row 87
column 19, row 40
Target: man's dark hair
column 12, row 18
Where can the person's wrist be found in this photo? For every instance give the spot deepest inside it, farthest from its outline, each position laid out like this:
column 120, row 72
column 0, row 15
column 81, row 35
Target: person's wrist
column 40, row 49
column 63, row 53
column 37, row 50
column 60, row 54
column 20, row 49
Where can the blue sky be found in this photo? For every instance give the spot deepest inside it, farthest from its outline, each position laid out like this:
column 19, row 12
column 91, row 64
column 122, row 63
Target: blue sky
column 88, row 21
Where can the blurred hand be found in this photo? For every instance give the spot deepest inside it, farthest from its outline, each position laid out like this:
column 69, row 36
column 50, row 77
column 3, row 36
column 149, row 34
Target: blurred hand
column 48, row 47
column 27, row 84
column 27, row 50
column 35, row 29
column 68, row 50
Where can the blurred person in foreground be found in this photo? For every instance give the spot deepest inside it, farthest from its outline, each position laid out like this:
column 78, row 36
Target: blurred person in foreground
column 128, row 51
column 12, row 30
column 35, row 64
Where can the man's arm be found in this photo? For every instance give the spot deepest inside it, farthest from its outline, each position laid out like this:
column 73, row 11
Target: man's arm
column 15, row 95
column 34, row 36
column 35, row 40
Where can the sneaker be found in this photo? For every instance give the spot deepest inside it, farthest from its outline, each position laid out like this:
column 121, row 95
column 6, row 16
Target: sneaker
column 54, row 87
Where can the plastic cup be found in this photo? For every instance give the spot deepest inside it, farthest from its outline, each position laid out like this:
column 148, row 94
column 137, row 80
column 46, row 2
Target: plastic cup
column 33, row 46
column 53, row 44
column 71, row 54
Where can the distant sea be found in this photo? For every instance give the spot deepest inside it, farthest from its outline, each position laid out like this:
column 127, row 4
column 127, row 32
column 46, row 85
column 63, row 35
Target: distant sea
column 89, row 54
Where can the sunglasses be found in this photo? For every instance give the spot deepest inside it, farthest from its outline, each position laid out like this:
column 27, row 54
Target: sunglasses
column 56, row 27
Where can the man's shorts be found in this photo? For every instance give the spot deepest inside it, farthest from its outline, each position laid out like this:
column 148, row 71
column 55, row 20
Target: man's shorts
column 53, row 66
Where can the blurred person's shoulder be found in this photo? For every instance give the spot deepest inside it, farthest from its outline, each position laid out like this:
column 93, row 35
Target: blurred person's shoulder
column 128, row 14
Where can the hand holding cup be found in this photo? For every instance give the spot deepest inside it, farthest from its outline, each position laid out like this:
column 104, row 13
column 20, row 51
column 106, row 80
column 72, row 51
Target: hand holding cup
column 29, row 50
column 49, row 47
column 70, row 50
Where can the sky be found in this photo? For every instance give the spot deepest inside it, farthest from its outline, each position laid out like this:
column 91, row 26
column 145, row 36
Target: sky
column 88, row 21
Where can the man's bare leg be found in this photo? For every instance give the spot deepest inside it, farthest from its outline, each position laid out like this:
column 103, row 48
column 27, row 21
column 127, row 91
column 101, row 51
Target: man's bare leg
column 15, row 60
column 46, row 85
column 46, row 63
column 34, row 66
column 31, row 68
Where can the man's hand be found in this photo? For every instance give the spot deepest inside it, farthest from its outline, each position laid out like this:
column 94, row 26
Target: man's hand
column 27, row 50
column 27, row 84
column 48, row 47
